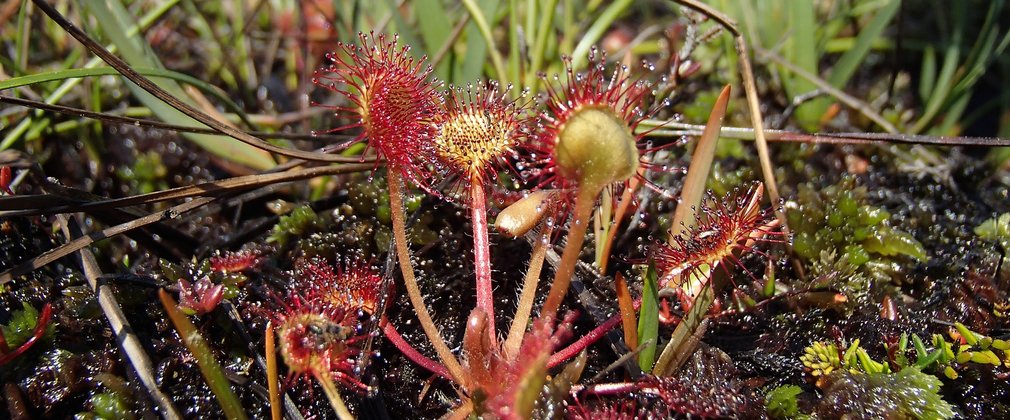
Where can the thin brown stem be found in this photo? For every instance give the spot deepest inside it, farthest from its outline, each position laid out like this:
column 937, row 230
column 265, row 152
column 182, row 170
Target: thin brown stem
column 584, row 202
column 528, row 295
column 330, row 388
column 482, row 254
column 407, row 269
column 273, row 385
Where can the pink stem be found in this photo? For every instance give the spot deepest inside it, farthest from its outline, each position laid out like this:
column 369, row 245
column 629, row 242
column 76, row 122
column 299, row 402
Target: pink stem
column 581, row 344
column 481, row 255
column 415, row 356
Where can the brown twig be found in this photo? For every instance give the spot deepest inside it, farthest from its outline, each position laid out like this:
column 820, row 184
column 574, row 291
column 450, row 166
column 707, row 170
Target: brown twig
column 25, row 205
column 83, row 241
column 128, row 341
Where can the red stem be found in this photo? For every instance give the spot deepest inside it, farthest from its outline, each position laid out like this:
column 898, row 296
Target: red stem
column 482, row 255
column 40, row 330
column 415, row 356
column 581, row 344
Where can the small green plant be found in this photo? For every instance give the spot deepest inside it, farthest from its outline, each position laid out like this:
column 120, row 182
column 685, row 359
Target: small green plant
column 22, row 325
column 781, row 403
column 997, row 230
column 908, row 393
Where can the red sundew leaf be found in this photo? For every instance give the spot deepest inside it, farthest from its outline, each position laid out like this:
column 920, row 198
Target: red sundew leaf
column 235, row 262
column 5, row 180
column 392, row 99
column 477, row 130
column 353, row 285
column 200, row 297
column 619, row 94
column 723, row 231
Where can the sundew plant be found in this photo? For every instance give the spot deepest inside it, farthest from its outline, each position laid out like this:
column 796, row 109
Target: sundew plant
column 479, row 209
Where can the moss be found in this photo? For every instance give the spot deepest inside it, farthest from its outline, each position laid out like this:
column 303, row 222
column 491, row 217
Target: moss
column 22, row 326
column 110, row 405
column 781, row 402
column 836, row 227
column 997, row 230
column 909, row 393
column 299, row 222
column 147, row 174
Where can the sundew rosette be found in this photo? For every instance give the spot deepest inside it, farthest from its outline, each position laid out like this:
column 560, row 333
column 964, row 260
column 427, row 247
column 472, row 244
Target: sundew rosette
column 391, row 98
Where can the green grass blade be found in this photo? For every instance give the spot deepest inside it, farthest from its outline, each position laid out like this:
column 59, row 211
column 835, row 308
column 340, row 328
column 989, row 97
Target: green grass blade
column 850, row 61
column 514, row 55
column 431, row 22
column 34, row 123
column 112, row 17
column 927, row 79
column 485, row 30
column 648, row 319
column 581, row 53
column 209, row 367
column 943, row 86
column 475, row 57
column 540, row 44
column 407, row 34
column 803, row 53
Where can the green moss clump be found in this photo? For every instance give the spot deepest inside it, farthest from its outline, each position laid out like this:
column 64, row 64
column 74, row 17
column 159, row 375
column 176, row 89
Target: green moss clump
column 299, row 222
column 22, row 326
column 781, row 403
column 148, row 173
column 109, row 405
column 839, row 222
column 909, row 393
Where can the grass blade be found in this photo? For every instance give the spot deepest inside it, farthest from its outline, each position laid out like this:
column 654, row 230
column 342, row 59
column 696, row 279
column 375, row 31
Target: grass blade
column 595, row 32
column 850, row 61
column 209, row 367
column 485, row 30
column 803, row 53
column 106, row 71
column 36, row 124
column 112, row 18
column 472, row 64
column 431, row 21
column 648, row 319
column 697, row 173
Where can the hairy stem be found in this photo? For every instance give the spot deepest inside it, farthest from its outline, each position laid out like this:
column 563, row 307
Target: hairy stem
column 527, row 295
column 326, row 382
column 581, row 344
column 482, row 255
column 410, row 282
column 404, row 347
column 584, row 202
